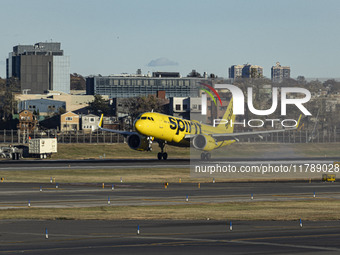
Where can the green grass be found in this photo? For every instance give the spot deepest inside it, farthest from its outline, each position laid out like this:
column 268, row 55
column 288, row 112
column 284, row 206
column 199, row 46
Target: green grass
column 85, row 151
column 154, row 175
column 236, row 150
column 284, row 210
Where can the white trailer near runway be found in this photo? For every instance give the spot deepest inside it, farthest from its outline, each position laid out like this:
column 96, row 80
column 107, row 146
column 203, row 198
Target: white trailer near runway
column 43, row 147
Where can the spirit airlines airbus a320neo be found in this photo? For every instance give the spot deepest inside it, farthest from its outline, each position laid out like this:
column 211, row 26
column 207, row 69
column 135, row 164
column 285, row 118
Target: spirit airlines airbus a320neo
column 165, row 129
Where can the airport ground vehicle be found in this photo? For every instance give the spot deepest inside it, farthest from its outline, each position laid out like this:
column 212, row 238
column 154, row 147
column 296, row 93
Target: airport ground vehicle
column 11, row 152
column 42, row 148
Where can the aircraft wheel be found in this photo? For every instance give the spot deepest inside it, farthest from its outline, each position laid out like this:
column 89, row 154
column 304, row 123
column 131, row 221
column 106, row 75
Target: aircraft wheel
column 202, row 156
column 159, row 155
column 208, row 156
column 165, row 156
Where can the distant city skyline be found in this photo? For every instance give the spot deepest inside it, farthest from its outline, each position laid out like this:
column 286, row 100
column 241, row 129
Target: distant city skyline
column 111, row 37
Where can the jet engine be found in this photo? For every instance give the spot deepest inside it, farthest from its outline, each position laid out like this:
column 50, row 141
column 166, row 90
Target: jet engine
column 204, row 142
column 139, row 143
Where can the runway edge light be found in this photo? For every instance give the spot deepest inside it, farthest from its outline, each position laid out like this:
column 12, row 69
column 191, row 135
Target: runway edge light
column 138, row 232
column 46, row 233
column 300, row 223
column 231, row 226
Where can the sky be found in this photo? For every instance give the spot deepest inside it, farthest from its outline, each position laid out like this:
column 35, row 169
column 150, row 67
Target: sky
column 112, row 37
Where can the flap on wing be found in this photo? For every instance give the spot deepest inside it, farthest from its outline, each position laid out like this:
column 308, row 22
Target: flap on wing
column 121, row 132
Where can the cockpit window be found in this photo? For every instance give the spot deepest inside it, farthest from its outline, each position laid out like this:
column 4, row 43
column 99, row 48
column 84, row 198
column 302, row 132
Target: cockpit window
column 139, row 116
column 146, row 118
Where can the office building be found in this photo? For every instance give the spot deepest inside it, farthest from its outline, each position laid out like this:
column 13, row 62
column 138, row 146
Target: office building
column 136, row 85
column 40, row 68
column 42, row 106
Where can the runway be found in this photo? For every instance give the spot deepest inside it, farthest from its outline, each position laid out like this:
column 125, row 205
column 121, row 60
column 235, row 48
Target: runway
column 147, row 163
column 169, row 237
column 17, row 195
column 159, row 236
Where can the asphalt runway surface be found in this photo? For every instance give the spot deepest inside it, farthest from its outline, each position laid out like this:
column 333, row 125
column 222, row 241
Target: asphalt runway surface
column 169, row 237
column 17, row 195
column 159, row 237
column 145, row 163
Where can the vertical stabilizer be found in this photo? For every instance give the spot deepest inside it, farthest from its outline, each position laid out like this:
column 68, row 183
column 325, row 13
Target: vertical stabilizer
column 227, row 124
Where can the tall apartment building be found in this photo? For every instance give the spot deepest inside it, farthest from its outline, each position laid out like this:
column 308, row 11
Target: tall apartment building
column 279, row 73
column 235, row 71
column 245, row 71
column 40, row 68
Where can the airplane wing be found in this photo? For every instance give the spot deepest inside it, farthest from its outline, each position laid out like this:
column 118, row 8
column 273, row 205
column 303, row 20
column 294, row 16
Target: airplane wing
column 124, row 133
column 235, row 136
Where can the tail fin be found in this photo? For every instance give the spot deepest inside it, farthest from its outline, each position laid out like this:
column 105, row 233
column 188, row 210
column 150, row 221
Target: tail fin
column 227, row 124
column 100, row 124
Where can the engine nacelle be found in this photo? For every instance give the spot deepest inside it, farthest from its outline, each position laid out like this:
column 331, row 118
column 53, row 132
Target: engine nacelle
column 139, row 143
column 204, row 142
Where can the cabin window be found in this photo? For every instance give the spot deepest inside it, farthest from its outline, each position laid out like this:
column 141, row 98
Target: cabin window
column 143, row 118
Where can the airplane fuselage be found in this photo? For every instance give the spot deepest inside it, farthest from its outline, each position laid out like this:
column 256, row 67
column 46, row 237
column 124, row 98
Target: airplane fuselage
column 173, row 130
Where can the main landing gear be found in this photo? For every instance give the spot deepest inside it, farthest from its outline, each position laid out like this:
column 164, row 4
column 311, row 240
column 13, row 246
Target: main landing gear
column 205, row 156
column 162, row 155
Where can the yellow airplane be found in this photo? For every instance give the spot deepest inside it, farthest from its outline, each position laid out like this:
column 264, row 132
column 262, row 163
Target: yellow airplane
column 166, row 129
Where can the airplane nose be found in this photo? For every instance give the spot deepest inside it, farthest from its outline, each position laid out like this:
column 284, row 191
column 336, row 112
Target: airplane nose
column 138, row 126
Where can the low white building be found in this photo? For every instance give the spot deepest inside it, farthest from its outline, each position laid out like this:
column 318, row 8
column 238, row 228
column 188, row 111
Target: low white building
column 89, row 123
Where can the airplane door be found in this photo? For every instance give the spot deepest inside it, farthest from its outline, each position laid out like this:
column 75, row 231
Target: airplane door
column 161, row 126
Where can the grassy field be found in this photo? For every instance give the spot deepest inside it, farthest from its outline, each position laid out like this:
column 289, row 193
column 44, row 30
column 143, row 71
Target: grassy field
column 267, row 150
column 316, row 209
column 155, row 175
column 286, row 210
column 85, row 151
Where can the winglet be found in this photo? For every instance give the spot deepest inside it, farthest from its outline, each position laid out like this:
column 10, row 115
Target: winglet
column 100, row 124
column 298, row 123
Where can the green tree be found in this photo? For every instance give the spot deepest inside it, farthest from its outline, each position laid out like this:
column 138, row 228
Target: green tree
column 8, row 106
column 77, row 82
column 99, row 105
column 138, row 105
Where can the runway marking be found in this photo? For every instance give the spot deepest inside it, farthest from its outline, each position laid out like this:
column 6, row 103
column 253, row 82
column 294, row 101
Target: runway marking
column 241, row 241
column 175, row 241
column 283, row 237
column 32, row 168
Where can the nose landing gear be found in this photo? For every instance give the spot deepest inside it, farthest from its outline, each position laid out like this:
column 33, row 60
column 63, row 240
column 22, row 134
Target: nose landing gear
column 205, row 156
column 162, row 155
